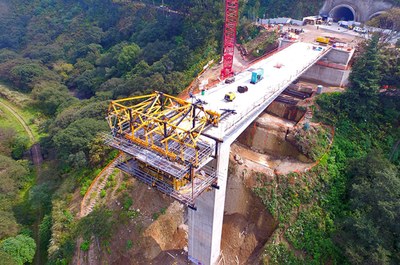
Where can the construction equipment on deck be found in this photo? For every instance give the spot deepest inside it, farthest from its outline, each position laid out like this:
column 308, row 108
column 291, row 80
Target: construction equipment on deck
column 231, row 19
column 162, row 123
column 230, row 96
column 257, row 75
column 242, row 89
column 162, row 137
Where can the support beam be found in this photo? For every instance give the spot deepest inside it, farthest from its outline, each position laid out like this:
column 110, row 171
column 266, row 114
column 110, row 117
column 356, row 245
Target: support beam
column 205, row 224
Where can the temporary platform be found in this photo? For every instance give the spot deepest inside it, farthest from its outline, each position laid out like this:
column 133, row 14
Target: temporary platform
column 164, row 144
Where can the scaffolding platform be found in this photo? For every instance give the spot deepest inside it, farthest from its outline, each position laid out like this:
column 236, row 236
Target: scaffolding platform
column 181, row 151
column 152, row 158
column 204, row 179
column 163, row 143
column 147, row 156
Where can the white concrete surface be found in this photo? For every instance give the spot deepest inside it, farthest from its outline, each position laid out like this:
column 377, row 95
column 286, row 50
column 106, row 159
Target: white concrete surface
column 293, row 61
column 205, row 224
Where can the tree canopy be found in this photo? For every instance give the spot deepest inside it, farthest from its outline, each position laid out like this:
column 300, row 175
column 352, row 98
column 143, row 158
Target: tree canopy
column 21, row 248
column 364, row 82
column 371, row 231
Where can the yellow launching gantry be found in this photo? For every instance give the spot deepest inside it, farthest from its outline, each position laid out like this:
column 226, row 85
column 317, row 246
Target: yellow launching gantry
column 163, row 123
column 164, row 143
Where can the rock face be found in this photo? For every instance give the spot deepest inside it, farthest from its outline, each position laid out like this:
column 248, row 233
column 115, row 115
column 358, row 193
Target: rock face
column 247, row 223
column 363, row 10
column 167, row 231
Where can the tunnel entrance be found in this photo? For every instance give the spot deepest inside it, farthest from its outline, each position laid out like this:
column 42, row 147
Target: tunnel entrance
column 345, row 13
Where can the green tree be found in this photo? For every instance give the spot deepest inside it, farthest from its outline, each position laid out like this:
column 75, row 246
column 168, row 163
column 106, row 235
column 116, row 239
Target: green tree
column 77, row 160
column 12, row 175
column 390, row 66
column 40, row 197
column 371, row 232
column 361, row 99
column 77, row 136
column 8, row 224
column 19, row 146
column 98, row 223
column 50, row 95
column 24, row 75
column 98, row 151
column 7, row 136
column 6, row 259
column 45, row 232
column 21, row 248
column 126, row 59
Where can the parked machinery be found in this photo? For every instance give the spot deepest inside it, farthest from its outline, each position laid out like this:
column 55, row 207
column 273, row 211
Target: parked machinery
column 257, row 75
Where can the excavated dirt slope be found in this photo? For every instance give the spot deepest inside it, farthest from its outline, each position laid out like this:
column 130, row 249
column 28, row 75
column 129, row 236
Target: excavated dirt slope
column 247, row 224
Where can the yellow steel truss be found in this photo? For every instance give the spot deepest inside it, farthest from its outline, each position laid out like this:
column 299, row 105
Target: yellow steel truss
column 157, row 120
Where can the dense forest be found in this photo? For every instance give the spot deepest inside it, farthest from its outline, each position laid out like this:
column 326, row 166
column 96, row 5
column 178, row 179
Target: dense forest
column 65, row 59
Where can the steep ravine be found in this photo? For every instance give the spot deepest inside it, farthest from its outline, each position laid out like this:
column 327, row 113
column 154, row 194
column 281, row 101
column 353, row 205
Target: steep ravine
column 260, row 152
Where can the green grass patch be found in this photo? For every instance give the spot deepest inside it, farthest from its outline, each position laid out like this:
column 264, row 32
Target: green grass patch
column 31, row 117
column 127, row 202
column 156, row 215
column 277, row 254
column 8, row 120
column 129, row 244
column 85, row 245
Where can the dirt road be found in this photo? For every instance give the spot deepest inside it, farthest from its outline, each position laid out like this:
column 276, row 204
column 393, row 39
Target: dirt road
column 20, row 120
column 35, row 149
column 36, row 154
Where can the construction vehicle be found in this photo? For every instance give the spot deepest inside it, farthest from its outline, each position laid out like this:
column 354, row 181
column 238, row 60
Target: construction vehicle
column 360, row 30
column 242, row 89
column 322, row 40
column 230, row 96
column 257, row 75
column 230, row 80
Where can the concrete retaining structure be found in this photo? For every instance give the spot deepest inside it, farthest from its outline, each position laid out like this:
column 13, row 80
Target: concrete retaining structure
column 333, row 69
column 327, row 75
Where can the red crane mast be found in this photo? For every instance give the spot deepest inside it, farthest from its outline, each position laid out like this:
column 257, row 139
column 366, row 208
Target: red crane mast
column 231, row 18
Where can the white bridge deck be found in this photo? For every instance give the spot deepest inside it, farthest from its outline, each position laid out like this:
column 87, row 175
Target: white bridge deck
column 280, row 70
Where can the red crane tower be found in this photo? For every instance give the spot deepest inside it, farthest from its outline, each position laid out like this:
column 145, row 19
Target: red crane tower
column 231, row 18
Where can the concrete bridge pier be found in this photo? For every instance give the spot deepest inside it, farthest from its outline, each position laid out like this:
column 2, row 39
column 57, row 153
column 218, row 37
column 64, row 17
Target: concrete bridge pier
column 205, row 224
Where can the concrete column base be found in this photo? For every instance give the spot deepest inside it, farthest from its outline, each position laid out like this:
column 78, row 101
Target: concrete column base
column 205, row 224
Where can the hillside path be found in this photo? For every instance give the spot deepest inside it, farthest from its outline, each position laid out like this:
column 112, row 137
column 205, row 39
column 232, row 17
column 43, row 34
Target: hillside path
column 20, row 119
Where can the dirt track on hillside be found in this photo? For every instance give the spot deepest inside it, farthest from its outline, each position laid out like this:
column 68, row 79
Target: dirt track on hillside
column 20, row 120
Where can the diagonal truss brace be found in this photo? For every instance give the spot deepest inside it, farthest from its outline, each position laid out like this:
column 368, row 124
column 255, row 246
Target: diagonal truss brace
column 163, row 123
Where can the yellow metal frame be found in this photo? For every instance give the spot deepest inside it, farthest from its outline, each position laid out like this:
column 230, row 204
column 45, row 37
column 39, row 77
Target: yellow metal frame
column 170, row 180
column 159, row 114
